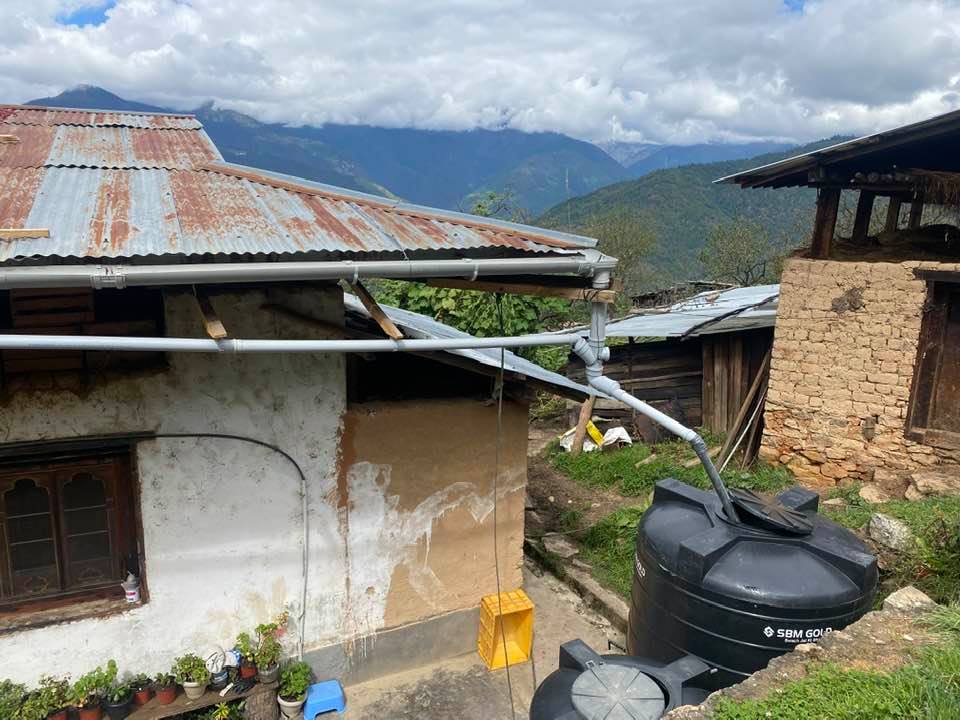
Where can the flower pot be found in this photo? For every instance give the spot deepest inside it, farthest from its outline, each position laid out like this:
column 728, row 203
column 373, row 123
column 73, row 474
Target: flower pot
column 166, row 695
column 141, row 697
column 120, row 710
column 247, row 670
column 58, row 715
column 90, row 713
column 194, row 690
column 290, row 708
column 269, row 674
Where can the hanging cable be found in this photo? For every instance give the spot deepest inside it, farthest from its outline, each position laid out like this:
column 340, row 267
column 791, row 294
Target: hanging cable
column 496, row 476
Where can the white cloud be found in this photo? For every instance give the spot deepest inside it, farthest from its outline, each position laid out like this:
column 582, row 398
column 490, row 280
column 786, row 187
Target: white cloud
column 664, row 70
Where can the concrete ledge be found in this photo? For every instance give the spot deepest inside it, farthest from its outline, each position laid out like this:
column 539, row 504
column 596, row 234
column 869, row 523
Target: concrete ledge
column 398, row 649
column 606, row 602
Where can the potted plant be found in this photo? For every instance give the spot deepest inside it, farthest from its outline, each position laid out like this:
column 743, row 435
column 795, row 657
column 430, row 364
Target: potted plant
column 53, row 697
column 247, row 650
column 292, row 693
column 12, row 696
column 141, row 686
column 87, row 693
column 165, row 687
column 191, row 672
column 118, row 701
column 267, row 655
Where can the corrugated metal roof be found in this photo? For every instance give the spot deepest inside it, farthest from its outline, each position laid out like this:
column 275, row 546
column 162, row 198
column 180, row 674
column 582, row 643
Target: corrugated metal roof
column 113, row 185
column 34, row 115
column 798, row 166
column 754, row 307
column 415, row 325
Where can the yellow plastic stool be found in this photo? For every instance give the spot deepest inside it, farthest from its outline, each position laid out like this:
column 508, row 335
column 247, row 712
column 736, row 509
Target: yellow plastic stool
column 510, row 619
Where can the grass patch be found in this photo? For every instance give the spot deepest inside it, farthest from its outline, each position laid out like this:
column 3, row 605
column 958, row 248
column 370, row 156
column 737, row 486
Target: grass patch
column 926, row 689
column 625, row 471
column 609, row 546
column 933, row 565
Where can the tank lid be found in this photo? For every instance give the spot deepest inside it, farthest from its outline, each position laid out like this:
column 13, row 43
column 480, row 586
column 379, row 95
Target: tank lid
column 617, row 691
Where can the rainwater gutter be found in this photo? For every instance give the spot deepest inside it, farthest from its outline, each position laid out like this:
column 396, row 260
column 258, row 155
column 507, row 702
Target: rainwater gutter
column 587, row 262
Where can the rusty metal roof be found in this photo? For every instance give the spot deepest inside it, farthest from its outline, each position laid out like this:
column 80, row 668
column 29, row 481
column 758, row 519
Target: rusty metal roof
column 123, row 186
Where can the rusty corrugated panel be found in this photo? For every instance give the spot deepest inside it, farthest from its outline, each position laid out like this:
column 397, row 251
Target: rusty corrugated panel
column 18, row 189
column 121, row 147
column 32, row 149
column 28, row 115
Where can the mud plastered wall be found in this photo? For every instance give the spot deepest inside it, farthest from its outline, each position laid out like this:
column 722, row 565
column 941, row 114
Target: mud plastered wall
column 841, row 372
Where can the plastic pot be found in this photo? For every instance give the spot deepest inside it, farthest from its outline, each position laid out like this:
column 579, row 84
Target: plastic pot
column 90, row 713
column 290, row 708
column 166, row 695
column 269, row 674
column 194, row 690
column 120, row 710
column 248, row 670
column 142, row 696
column 58, row 715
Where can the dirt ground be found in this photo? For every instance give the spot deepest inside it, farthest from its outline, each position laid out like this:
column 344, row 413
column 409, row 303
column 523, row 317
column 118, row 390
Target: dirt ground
column 463, row 689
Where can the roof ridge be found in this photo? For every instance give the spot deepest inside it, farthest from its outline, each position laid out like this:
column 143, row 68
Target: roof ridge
column 54, row 108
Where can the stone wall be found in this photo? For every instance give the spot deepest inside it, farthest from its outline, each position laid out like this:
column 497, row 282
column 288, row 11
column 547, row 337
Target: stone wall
column 841, row 372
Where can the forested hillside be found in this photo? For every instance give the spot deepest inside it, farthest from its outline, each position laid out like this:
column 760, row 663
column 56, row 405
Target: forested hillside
column 683, row 204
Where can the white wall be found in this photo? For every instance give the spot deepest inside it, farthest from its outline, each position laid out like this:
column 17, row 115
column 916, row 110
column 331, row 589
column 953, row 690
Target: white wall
column 221, row 519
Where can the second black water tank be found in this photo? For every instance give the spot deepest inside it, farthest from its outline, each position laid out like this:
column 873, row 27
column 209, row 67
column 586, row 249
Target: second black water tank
column 737, row 595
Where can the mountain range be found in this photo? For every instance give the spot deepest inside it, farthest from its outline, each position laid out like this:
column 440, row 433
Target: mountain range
column 440, row 168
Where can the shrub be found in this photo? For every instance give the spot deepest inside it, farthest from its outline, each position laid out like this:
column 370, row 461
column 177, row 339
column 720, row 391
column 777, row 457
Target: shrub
column 91, row 688
column 294, row 680
column 164, row 680
column 11, row 696
column 190, row 668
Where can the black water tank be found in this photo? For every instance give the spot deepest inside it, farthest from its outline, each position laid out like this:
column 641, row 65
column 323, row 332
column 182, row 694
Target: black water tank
column 588, row 685
column 737, row 595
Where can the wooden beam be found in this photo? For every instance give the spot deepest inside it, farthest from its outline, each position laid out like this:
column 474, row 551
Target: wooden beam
column 828, row 204
column 4, row 139
column 861, row 223
column 211, row 321
column 568, row 293
column 916, row 210
column 586, row 412
column 735, row 429
column 17, row 233
column 893, row 214
column 376, row 312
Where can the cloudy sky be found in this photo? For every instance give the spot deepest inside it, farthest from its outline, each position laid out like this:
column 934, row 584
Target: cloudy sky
column 677, row 71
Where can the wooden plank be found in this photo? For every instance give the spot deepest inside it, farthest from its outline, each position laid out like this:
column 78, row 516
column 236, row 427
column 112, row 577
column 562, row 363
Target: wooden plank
column 893, row 214
column 708, row 402
column 17, row 233
column 721, row 386
column 735, row 428
column 211, row 321
column 567, row 293
column 4, row 139
column 155, row 711
column 861, row 222
column 916, row 210
column 586, row 412
column 828, row 205
column 376, row 312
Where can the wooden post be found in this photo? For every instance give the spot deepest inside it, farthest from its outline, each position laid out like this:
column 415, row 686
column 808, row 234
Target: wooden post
column 376, row 312
column 861, row 224
column 893, row 214
column 586, row 412
column 916, row 209
column 828, row 204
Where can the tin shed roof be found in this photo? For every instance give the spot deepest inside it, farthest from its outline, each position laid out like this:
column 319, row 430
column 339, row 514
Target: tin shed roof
column 708, row 313
column 112, row 186
column 415, row 325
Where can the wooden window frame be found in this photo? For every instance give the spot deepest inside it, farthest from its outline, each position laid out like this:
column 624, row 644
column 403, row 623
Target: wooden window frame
column 940, row 286
column 123, row 523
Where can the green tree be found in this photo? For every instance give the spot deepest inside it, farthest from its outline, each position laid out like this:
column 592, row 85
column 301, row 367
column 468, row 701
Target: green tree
column 630, row 236
column 743, row 253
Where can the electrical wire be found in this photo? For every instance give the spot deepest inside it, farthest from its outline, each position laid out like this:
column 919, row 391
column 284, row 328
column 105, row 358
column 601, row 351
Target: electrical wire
column 496, row 477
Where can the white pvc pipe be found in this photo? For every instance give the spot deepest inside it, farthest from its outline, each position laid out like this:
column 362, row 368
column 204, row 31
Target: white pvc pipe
column 231, row 345
column 585, row 263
